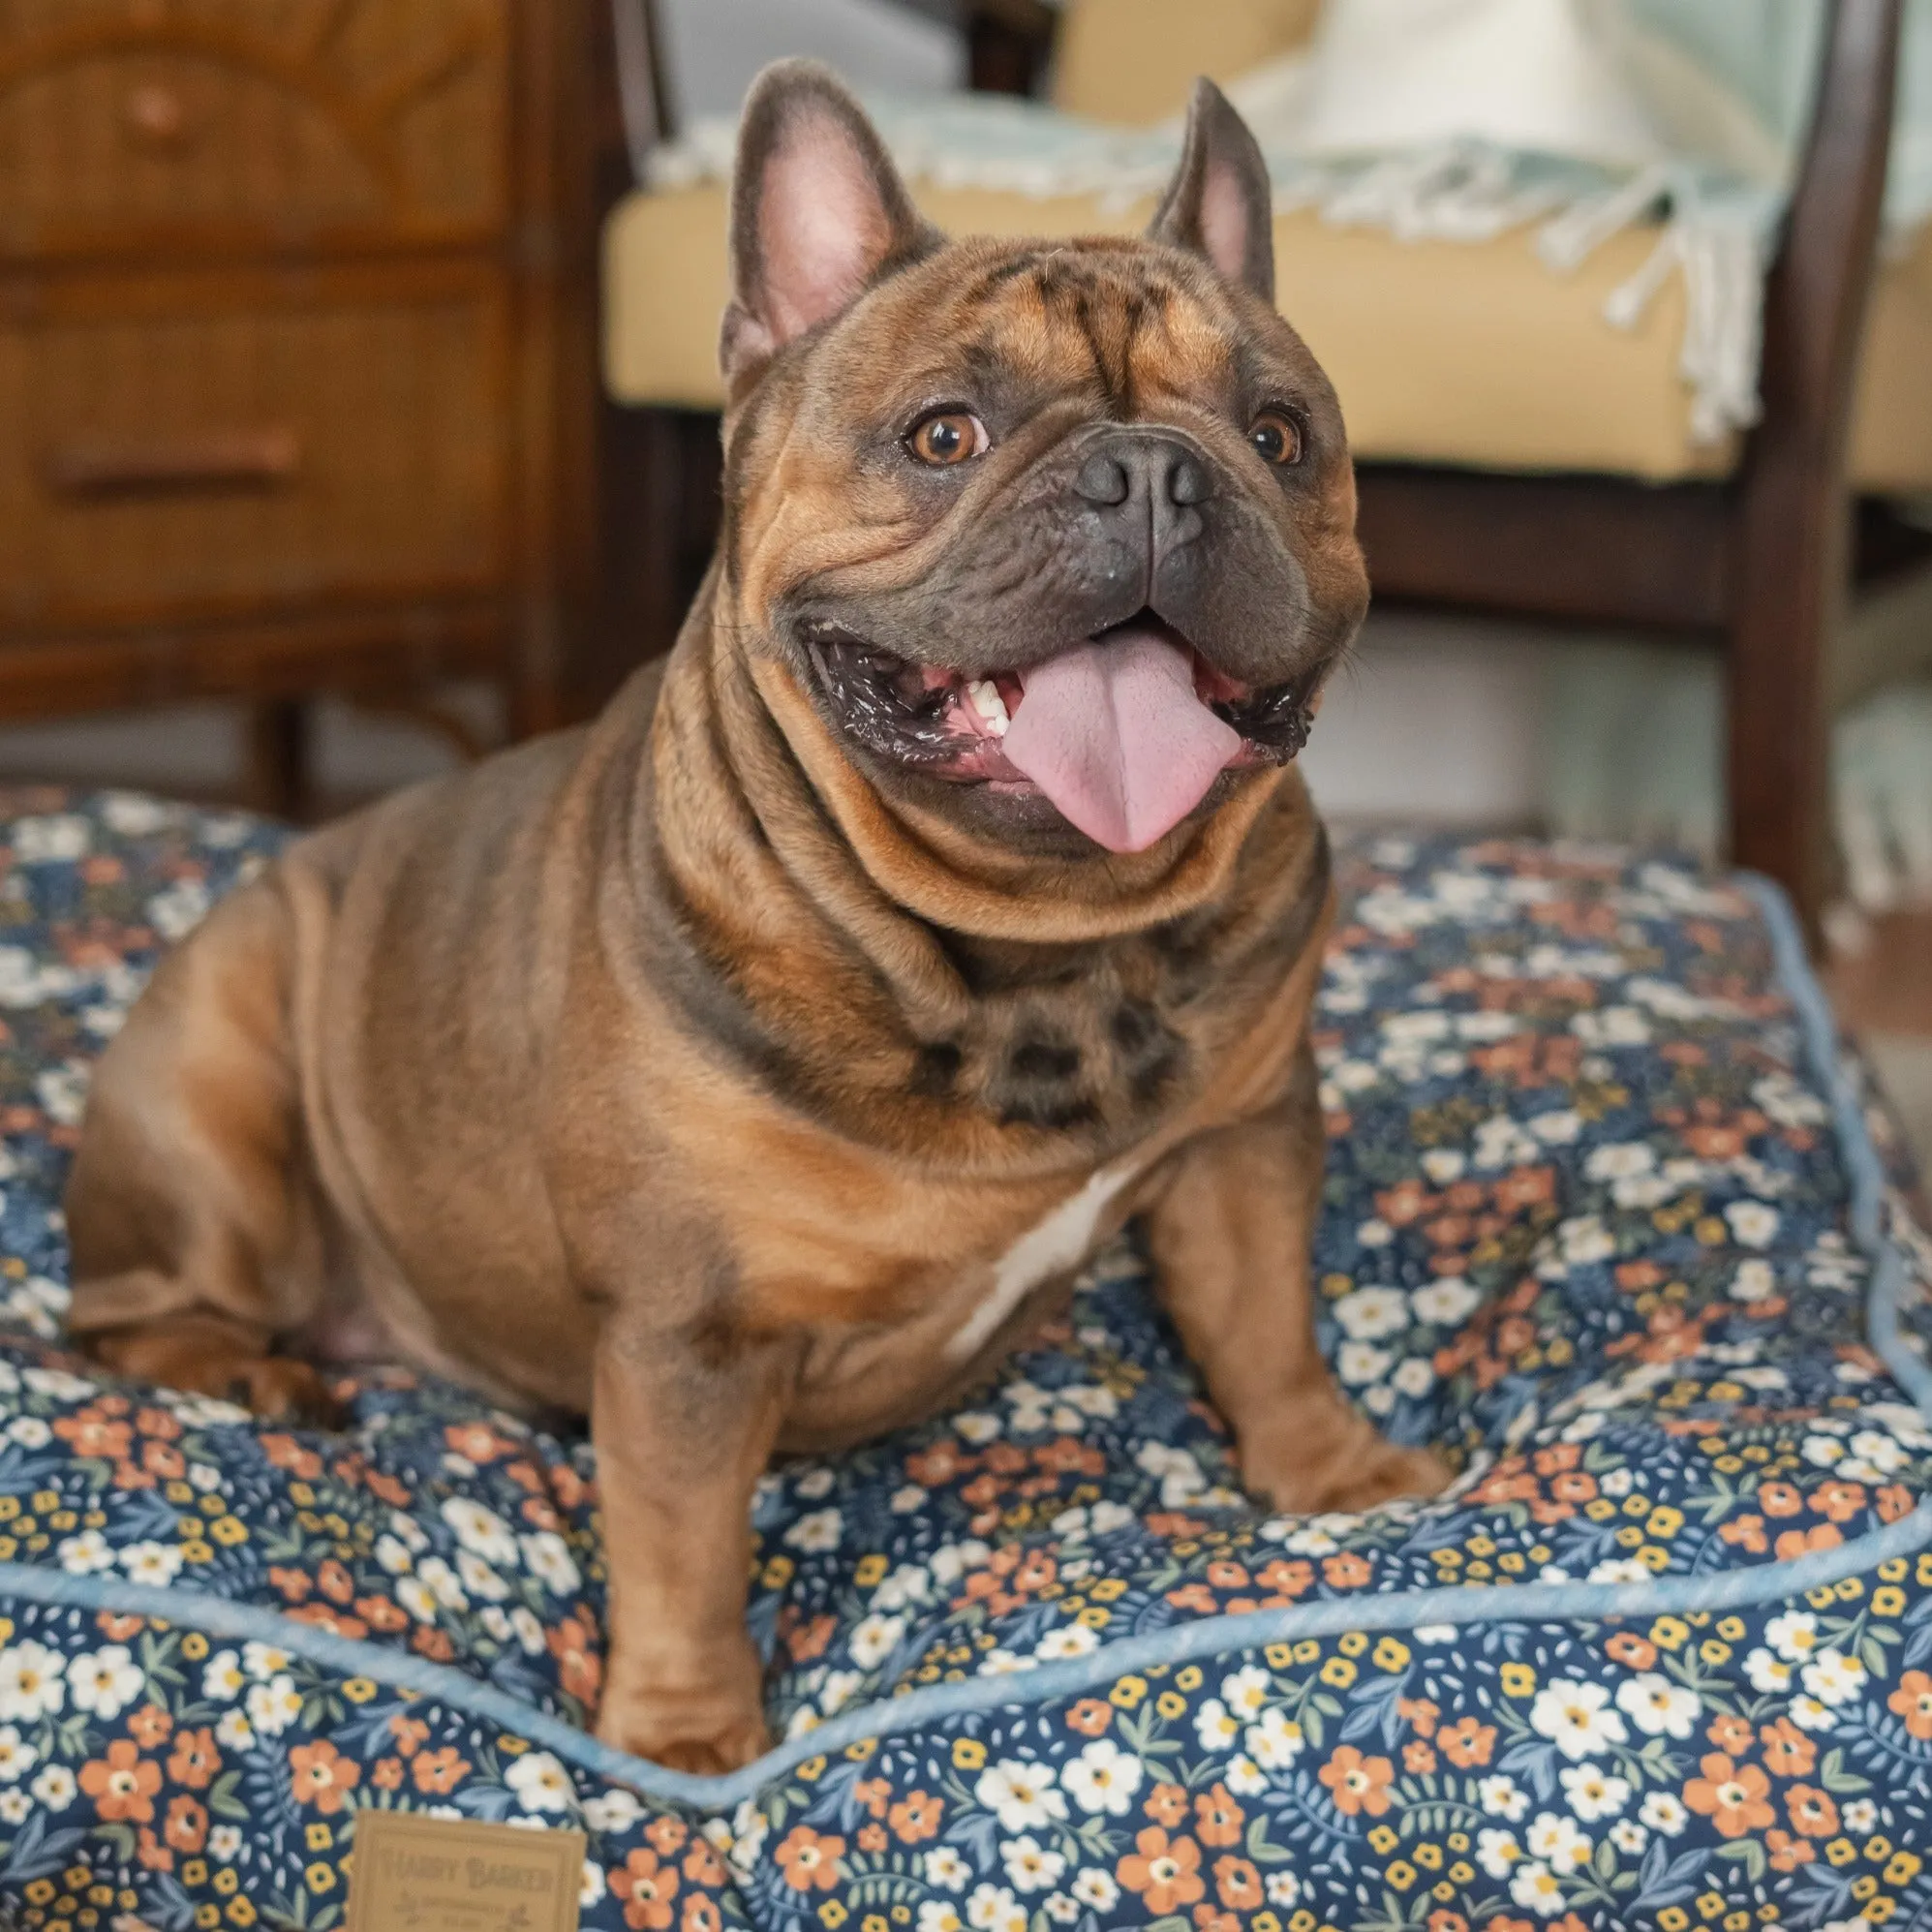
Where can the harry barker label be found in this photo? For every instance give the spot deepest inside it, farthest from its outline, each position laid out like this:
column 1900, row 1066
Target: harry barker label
column 415, row 1874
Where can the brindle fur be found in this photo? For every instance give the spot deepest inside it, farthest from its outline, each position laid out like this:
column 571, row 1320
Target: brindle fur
column 695, row 1070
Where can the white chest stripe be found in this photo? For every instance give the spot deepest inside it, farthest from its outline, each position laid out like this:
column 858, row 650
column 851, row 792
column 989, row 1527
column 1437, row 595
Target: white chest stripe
column 1059, row 1242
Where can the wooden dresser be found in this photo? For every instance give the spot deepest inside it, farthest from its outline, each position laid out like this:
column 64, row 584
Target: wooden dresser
column 296, row 337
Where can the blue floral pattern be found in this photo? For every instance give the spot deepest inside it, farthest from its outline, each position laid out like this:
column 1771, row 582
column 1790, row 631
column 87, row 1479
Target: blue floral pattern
column 1585, row 1227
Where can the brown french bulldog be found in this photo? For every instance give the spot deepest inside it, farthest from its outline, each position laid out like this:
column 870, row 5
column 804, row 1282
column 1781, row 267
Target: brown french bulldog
column 755, row 1068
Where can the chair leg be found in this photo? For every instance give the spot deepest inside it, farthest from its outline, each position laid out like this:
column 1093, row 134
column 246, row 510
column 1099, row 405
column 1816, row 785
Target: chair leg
column 278, row 776
column 1792, row 561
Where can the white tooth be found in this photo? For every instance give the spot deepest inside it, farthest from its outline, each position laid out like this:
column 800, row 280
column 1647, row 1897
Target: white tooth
column 984, row 695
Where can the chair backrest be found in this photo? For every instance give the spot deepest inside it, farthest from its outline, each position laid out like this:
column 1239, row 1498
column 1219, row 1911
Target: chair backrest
column 1135, row 60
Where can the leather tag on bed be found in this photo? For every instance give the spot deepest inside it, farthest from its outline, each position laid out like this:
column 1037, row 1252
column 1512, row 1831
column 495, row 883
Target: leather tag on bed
column 458, row 1875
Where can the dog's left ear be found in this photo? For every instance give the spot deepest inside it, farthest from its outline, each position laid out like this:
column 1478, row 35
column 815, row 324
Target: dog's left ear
column 1218, row 203
column 818, row 211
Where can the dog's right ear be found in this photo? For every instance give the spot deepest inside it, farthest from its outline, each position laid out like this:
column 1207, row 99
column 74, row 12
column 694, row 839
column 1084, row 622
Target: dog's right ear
column 818, row 211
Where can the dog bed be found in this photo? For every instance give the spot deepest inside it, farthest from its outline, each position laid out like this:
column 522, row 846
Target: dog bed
column 1605, row 1218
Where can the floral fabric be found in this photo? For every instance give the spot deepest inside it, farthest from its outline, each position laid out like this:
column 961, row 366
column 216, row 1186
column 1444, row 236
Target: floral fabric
column 1585, row 1227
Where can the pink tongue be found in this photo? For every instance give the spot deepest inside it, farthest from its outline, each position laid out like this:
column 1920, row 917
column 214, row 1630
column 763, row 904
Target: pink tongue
column 1113, row 733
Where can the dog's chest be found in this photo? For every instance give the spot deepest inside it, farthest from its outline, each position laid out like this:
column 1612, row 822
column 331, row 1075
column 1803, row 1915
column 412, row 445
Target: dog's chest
column 1058, row 1241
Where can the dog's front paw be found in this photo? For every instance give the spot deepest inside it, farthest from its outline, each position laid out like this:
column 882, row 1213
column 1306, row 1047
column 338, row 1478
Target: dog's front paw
column 1345, row 1466
column 704, row 1743
column 705, row 1728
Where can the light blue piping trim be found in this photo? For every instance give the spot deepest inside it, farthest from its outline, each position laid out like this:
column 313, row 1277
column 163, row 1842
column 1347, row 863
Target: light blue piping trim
column 1217, row 1636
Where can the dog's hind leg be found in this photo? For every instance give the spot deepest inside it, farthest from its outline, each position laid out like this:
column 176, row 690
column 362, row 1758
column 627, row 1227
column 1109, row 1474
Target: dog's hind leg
column 194, row 1238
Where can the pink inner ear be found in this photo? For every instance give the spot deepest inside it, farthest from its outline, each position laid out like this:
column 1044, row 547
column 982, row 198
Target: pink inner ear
column 821, row 227
column 1224, row 221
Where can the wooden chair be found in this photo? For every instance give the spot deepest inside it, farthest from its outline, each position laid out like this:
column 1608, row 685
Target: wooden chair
column 1762, row 559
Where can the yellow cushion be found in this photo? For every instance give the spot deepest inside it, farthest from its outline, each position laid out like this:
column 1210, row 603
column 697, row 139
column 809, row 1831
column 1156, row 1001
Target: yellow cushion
column 1442, row 352
column 1135, row 60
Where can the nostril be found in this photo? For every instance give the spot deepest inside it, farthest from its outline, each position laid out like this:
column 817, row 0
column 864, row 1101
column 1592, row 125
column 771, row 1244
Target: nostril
column 1102, row 479
column 1187, row 482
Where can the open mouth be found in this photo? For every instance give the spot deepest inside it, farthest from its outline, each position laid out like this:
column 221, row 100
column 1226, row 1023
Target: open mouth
column 1124, row 732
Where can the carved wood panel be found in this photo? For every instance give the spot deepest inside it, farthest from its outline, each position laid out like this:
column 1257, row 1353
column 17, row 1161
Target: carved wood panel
column 250, row 123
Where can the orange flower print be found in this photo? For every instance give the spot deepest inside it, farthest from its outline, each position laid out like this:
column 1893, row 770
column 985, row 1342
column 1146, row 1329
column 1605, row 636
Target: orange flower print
column 915, row 1817
column 1467, row 1743
column 1788, row 1751
column 648, row 1888
column 1346, row 1571
column 410, row 1734
column 579, row 1667
column 1217, row 1821
column 701, row 1913
column 187, row 1825
column 1626, row 1648
column 122, row 1783
column 1731, row 1795
column 193, row 1761
column 702, row 1866
column 1357, row 1783
column 1421, row 1712
column 319, row 1774
column 1796, row 1543
column 1912, row 1702
column 1237, row 1883
column 439, row 1772
column 1090, row 1716
column 1812, row 1811
column 1731, row 1734
column 1167, row 1804
column 1787, row 1854
column 1165, row 1872
column 1418, row 1756
column 665, row 1836
column 149, row 1726
column 1780, row 1499
column 809, row 1858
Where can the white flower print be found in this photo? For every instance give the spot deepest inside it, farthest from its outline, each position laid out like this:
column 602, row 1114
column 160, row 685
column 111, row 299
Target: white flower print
column 1103, row 1778
column 817, row 1530
column 541, row 1783
column 1833, row 1678
column 1767, row 1672
column 1573, row 1716
column 54, row 1788
column 1498, row 1852
column 1663, row 1812
column 547, row 1557
column 1021, row 1796
column 105, row 1681
column 1371, row 1313
column 1030, row 1865
column 1216, row 1725
column 941, row 1914
column 479, row 1531
column 1276, row 1741
column 994, row 1908
column 32, row 1682
column 1245, row 1691
column 1360, row 1361
column 1445, row 1302
column 1658, row 1707
column 1593, row 1794
column 16, row 1756
column 155, row 1564
column 1095, row 1887
column 1556, row 1842
column 612, row 1810
column 946, row 1867
column 1628, row 1837
column 1535, row 1888
column 1501, row 1797
column 262, row 1661
column 274, row 1706
column 873, row 1640
column 86, row 1555
column 1070, row 1639
column 1283, row 1889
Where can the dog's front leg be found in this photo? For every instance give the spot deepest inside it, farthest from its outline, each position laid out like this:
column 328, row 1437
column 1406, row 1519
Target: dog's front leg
column 683, row 1427
column 1229, row 1233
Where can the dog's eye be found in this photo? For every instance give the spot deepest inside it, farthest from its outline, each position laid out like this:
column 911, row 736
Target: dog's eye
column 947, row 438
column 1276, row 438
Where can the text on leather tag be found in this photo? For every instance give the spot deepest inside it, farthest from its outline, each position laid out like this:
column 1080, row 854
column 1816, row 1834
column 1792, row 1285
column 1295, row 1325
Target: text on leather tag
column 458, row 1875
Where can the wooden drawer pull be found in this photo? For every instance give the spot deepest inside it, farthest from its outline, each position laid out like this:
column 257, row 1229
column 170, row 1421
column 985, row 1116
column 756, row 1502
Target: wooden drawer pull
column 210, row 460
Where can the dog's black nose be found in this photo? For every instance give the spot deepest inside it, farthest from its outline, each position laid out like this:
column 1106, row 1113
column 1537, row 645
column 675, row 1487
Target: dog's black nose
column 1101, row 481
column 1144, row 488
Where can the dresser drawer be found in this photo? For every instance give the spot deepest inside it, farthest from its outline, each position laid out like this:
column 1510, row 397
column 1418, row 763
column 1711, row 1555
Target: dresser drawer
column 130, row 123
column 234, row 442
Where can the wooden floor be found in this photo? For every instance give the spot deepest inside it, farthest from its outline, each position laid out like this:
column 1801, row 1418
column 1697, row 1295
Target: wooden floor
column 1883, row 993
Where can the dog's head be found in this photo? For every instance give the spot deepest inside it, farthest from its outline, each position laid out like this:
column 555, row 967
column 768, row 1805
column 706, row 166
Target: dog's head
column 1055, row 538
